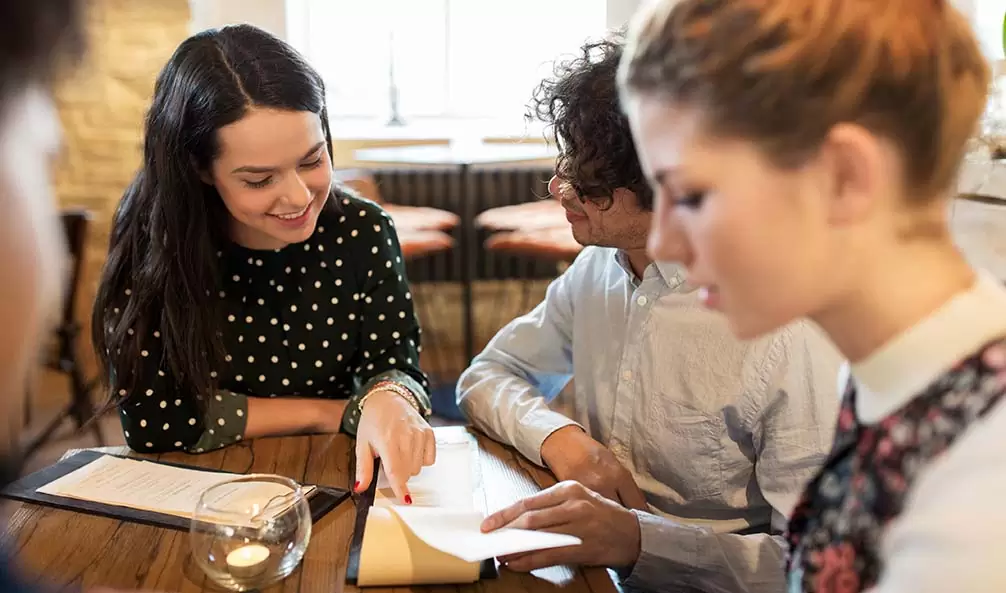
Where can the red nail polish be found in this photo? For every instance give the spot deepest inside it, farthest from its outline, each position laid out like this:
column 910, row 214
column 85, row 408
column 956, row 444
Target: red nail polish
column 356, row 486
column 408, row 499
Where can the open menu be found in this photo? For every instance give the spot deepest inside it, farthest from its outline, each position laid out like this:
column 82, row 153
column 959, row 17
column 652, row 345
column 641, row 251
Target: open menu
column 159, row 488
column 156, row 493
column 437, row 539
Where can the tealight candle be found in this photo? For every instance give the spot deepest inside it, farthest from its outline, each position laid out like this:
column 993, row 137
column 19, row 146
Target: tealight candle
column 248, row 561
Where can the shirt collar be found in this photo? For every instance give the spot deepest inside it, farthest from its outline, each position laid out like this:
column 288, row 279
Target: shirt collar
column 672, row 274
column 908, row 363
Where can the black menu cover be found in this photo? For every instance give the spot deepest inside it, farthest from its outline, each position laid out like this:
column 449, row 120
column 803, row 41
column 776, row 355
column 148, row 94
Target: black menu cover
column 321, row 501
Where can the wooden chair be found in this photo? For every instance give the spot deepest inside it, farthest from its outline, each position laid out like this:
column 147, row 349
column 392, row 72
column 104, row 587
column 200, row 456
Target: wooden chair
column 536, row 230
column 64, row 359
column 539, row 214
column 418, row 218
column 552, row 243
column 419, row 243
column 422, row 231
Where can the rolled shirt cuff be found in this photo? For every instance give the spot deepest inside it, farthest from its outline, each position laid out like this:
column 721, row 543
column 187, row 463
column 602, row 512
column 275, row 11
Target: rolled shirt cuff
column 225, row 420
column 537, row 426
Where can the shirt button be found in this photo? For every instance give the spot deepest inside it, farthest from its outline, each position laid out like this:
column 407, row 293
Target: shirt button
column 627, row 375
column 641, row 301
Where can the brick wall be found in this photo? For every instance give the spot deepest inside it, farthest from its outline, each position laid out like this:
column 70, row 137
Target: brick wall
column 102, row 109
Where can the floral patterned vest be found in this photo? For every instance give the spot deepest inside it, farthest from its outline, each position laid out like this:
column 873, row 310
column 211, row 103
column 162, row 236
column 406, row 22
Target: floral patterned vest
column 835, row 531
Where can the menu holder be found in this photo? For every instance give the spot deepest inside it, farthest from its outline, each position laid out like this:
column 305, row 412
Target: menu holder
column 320, row 501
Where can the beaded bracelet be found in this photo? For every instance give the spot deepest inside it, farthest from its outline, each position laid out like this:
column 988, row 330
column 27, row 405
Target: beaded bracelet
column 398, row 388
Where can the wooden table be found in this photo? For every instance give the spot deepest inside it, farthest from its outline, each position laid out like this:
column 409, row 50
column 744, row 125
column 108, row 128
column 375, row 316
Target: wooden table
column 76, row 550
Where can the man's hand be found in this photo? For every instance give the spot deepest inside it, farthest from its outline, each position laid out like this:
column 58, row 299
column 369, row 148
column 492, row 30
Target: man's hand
column 572, row 455
column 609, row 531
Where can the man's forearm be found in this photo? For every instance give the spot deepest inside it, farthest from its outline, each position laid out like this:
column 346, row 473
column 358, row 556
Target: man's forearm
column 505, row 391
column 508, row 408
column 674, row 555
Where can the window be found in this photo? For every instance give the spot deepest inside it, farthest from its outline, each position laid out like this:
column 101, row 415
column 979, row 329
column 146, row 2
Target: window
column 987, row 16
column 465, row 59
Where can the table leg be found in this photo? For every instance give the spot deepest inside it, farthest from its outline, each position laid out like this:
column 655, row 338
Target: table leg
column 468, row 247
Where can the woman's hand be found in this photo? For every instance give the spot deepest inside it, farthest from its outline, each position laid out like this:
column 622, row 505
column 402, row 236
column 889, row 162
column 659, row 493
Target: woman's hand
column 390, row 428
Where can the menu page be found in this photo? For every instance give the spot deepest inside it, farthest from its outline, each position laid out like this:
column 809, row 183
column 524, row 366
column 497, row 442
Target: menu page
column 160, row 488
column 437, row 539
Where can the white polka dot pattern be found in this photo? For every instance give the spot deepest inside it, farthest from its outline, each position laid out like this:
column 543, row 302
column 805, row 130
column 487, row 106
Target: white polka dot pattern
column 341, row 289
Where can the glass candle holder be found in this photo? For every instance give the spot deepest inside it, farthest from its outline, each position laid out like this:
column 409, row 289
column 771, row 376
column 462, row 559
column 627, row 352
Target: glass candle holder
column 250, row 532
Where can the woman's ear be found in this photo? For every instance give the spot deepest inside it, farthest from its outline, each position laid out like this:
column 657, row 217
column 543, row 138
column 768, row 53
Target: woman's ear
column 855, row 164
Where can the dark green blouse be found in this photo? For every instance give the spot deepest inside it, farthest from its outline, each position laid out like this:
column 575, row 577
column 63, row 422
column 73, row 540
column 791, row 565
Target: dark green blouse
column 325, row 318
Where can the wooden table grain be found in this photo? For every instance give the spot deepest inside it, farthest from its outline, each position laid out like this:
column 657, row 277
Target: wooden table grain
column 73, row 550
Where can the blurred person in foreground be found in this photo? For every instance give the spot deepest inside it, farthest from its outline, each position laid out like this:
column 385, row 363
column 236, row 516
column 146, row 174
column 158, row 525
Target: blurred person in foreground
column 805, row 156
column 38, row 41
column 686, row 447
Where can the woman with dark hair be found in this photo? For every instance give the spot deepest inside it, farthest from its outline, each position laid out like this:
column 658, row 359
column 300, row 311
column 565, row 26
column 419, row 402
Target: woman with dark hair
column 246, row 294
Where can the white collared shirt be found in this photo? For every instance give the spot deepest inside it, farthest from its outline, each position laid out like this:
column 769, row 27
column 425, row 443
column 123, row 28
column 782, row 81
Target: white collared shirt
column 951, row 536
column 720, row 435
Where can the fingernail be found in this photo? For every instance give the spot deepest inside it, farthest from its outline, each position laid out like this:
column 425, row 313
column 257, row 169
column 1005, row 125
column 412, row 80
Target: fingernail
column 408, row 499
column 356, row 486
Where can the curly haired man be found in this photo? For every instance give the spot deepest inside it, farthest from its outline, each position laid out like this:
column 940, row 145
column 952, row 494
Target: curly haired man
column 686, row 447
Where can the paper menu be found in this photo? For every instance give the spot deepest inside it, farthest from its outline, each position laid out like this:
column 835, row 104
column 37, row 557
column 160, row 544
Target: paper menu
column 456, row 532
column 393, row 555
column 437, row 539
column 158, row 488
column 448, row 483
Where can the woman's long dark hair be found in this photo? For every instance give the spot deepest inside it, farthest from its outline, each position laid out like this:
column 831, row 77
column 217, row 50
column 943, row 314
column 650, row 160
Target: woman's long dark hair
column 170, row 224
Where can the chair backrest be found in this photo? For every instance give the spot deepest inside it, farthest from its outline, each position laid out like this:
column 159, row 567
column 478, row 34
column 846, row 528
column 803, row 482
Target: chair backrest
column 360, row 181
column 75, row 225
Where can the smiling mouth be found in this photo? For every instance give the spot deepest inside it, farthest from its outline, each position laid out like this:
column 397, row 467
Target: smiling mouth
column 294, row 215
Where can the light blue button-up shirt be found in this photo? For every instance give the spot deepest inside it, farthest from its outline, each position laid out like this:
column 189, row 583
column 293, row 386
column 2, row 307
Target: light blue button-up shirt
column 720, row 435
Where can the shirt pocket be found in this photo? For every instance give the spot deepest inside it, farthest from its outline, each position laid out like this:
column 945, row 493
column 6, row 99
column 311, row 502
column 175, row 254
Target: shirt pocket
column 685, row 450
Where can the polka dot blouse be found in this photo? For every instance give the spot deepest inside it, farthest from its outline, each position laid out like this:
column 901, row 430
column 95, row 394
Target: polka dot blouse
column 326, row 318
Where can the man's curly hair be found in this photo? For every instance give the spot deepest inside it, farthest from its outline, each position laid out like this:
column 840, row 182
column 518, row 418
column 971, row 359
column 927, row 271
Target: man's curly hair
column 580, row 106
